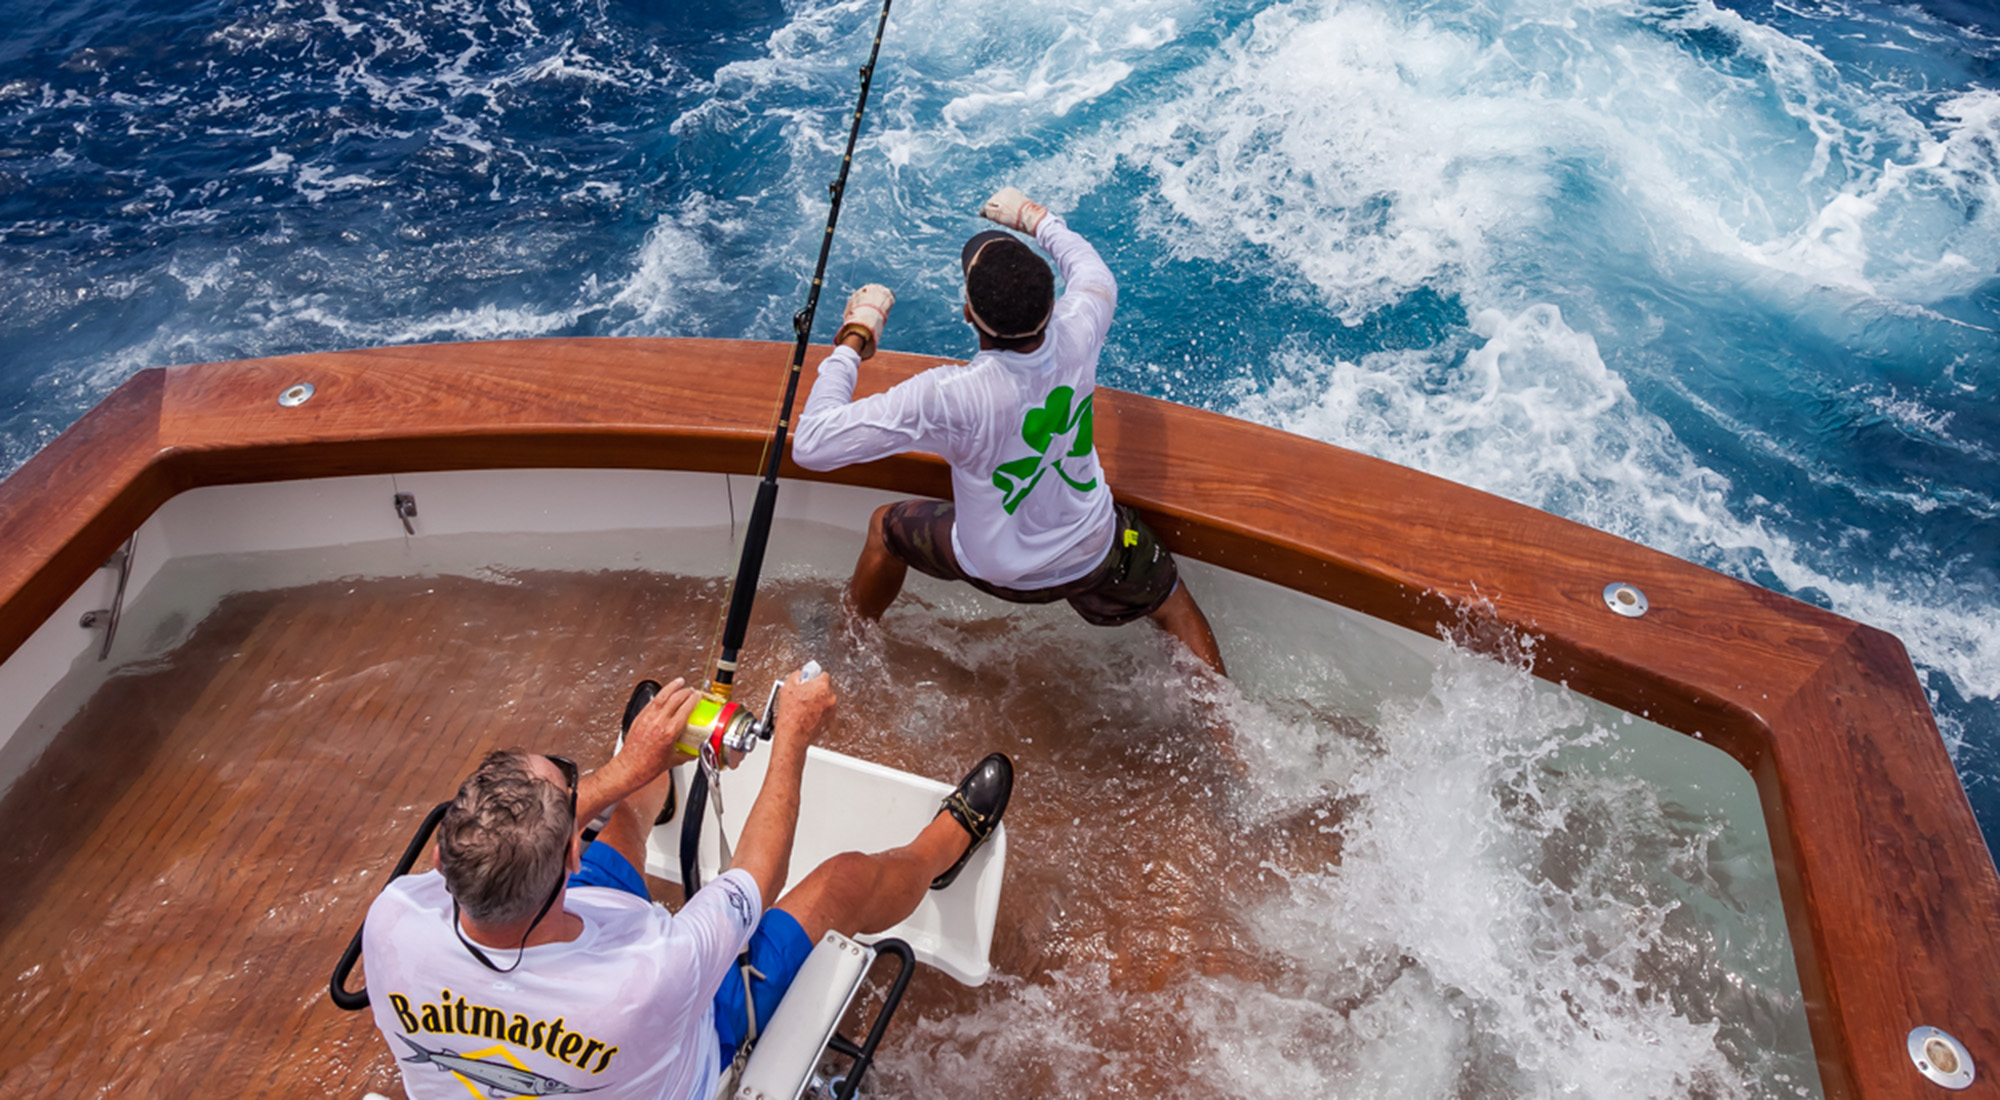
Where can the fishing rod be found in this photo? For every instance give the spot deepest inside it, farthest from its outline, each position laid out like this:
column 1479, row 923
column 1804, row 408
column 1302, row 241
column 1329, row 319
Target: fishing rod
column 719, row 727
column 743, row 592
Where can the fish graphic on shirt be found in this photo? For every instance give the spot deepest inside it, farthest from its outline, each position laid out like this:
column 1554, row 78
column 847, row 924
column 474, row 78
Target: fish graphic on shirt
column 499, row 1078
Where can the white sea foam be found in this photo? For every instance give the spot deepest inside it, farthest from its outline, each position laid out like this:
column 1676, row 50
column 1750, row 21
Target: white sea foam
column 207, row 278
column 1372, row 151
column 999, row 79
column 486, row 322
column 277, row 162
column 1916, row 230
column 571, row 65
column 317, row 181
column 609, row 191
column 1352, row 148
column 1359, row 152
column 678, row 277
column 1533, row 414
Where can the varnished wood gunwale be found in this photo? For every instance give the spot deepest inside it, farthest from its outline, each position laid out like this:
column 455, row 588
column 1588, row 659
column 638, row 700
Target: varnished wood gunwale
column 1889, row 890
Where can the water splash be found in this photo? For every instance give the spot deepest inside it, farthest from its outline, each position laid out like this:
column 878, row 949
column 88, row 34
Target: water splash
column 1495, row 904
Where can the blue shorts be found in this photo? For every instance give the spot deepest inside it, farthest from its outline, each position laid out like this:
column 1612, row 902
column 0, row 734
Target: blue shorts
column 603, row 866
column 778, row 948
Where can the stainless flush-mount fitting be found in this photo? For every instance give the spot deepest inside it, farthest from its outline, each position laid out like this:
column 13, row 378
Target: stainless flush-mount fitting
column 1940, row 1057
column 296, row 395
column 1625, row 599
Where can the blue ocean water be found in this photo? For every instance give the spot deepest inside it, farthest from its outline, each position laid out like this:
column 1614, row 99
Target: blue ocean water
column 1724, row 279
column 1721, row 278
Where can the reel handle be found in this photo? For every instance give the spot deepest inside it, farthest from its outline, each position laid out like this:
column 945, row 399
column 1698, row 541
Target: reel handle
column 768, row 725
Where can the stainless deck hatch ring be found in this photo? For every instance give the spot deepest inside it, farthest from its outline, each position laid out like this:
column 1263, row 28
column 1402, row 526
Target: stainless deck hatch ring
column 1625, row 599
column 1940, row 1057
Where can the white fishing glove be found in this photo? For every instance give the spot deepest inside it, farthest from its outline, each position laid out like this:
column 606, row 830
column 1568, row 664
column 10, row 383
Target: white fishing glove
column 1014, row 210
column 867, row 312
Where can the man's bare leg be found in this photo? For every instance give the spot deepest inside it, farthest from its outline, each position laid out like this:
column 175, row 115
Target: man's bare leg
column 878, row 576
column 1182, row 618
column 632, row 820
column 855, row 893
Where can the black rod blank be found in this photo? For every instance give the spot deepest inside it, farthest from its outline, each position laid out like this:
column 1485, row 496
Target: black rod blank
column 743, row 593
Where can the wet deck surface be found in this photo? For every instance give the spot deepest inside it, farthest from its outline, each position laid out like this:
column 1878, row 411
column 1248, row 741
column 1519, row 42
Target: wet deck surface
column 187, row 860
column 184, row 865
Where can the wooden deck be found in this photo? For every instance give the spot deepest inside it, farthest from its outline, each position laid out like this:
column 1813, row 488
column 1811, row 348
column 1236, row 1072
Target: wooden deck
column 187, row 860
column 1892, row 897
column 183, row 862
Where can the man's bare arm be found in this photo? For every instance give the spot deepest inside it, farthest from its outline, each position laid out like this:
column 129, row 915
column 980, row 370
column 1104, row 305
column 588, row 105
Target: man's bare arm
column 649, row 750
column 765, row 848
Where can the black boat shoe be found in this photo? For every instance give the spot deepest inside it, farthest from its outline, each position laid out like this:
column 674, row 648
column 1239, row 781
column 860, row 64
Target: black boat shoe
column 642, row 697
column 977, row 804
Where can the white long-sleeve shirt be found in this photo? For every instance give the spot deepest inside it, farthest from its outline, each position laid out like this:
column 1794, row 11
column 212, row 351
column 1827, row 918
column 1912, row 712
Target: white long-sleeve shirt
column 1032, row 509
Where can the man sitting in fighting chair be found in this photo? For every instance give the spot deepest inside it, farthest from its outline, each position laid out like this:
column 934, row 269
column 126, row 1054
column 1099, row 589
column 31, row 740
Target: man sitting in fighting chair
column 531, row 963
column 1031, row 519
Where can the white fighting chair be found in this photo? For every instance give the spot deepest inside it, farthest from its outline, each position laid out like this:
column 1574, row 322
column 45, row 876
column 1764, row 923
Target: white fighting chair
column 845, row 804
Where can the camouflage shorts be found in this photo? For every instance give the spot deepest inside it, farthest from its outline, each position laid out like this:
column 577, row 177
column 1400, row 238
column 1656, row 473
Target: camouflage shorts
column 1134, row 579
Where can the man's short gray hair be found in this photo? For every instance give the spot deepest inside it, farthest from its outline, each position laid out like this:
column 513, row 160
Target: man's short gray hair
column 504, row 840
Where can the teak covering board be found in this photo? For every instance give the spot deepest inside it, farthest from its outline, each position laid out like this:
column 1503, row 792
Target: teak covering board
column 1890, row 893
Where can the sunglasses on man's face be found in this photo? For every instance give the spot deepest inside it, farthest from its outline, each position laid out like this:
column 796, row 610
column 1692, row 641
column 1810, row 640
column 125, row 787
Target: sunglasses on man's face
column 568, row 768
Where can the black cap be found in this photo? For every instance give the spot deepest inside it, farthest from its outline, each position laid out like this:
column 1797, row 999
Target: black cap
column 1012, row 294
column 979, row 241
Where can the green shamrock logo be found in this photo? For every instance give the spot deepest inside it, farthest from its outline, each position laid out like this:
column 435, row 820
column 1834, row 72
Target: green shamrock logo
column 1041, row 428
